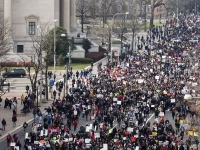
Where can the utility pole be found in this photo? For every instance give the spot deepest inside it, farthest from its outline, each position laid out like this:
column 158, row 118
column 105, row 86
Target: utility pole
column 41, row 77
column 67, row 88
column 67, row 62
column 69, row 56
column 177, row 13
column 145, row 16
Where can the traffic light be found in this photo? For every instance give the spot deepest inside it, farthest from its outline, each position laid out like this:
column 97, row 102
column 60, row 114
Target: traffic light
column 67, row 55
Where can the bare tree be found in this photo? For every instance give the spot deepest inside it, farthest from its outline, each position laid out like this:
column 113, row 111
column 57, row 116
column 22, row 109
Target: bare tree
column 82, row 9
column 120, row 24
column 5, row 34
column 104, row 9
column 36, row 57
column 135, row 28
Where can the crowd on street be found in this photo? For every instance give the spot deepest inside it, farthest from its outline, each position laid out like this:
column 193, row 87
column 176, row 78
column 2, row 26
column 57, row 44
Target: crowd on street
column 117, row 102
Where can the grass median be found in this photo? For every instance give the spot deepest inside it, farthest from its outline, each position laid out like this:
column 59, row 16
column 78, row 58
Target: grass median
column 77, row 66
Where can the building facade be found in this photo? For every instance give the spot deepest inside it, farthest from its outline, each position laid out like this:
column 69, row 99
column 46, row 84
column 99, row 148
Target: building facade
column 24, row 16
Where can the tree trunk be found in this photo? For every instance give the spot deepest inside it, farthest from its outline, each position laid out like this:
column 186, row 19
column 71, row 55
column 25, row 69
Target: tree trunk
column 82, row 19
column 152, row 18
column 121, row 42
column 133, row 31
column 110, row 41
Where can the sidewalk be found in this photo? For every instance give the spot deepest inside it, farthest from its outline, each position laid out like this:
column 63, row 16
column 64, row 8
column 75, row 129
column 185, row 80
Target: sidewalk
column 21, row 118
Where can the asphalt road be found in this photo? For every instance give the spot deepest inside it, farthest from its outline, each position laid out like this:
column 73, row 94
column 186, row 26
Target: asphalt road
column 21, row 133
column 21, row 83
column 168, row 115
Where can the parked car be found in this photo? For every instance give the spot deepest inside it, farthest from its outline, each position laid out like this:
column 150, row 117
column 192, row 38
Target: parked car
column 15, row 73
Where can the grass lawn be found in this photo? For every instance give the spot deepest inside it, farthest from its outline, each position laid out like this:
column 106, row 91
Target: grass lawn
column 142, row 26
column 116, row 42
column 74, row 67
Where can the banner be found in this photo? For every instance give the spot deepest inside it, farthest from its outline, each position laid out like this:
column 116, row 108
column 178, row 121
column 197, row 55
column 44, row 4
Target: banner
column 154, row 133
column 190, row 133
column 196, row 133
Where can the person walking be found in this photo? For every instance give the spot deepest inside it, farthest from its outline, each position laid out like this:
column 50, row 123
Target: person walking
column 25, row 125
column 3, row 122
column 22, row 99
column 0, row 100
column 75, row 124
column 14, row 120
column 54, row 77
column 8, row 139
column 10, row 103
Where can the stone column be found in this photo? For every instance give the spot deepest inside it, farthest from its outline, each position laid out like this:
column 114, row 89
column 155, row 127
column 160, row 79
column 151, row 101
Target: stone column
column 66, row 15
column 73, row 15
column 7, row 11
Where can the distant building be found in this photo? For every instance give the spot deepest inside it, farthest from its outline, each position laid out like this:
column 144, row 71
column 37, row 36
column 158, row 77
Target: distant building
column 25, row 15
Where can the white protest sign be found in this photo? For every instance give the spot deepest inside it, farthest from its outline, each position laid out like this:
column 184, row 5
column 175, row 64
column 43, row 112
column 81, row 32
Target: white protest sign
column 172, row 100
column 194, row 84
column 119, row 102
column 97, row 135
column 75, row 112
column 115, row 99
column 17, row 147
column 105, row 147
column 87, row 129
column 161, row 114
column 130, row 129
column 12, row 144
column 87, row 141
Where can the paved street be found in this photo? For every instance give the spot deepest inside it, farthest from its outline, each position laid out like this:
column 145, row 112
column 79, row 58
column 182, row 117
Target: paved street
column 7, row 113
column 168, row 115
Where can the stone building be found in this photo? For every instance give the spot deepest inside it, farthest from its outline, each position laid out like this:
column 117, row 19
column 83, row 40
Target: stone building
column 24, row 16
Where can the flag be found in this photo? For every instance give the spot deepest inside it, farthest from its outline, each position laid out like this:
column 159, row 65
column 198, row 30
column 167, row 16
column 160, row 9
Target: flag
column 110, row 131
column 154, row 133
column 190, row 133
column 196, row 133
column 181, row 121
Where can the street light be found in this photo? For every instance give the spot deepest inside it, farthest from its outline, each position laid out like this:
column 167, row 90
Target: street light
column 54, row 48
column 111, row 33
column 177, row 13
column 65, row 77
column 40, row 63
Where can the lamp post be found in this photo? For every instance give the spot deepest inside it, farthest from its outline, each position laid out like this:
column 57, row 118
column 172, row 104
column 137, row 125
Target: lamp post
column 54, row 48
column 177, row 13
column 40, row 63
column 111, row 50
column 65, row 77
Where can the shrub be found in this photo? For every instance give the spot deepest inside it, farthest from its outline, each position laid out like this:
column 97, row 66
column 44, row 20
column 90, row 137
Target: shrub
column 15, row 64
column 86, row 45
column 82, row 60
column 60, row 60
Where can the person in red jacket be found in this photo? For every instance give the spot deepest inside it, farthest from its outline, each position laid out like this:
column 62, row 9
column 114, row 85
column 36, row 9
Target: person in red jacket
column 93, row 136
column 75, row 123
column 8, row 139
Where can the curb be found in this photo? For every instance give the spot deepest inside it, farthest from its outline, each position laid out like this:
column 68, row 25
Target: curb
column 14, row 130
column 95, row 63
column 3, row 137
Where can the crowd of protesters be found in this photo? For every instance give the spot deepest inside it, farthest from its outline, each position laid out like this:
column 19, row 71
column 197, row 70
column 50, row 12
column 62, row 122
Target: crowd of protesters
column 117, row 102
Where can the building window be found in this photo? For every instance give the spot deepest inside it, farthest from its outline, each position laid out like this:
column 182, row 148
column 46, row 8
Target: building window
column 20, row 48
column 31, row 28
